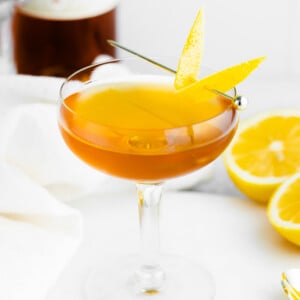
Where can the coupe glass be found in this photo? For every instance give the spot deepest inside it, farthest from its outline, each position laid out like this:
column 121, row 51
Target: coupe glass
column 147, row 155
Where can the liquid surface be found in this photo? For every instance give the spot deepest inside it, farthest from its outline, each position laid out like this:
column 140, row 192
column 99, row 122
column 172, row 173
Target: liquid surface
column 142, row 106
column 145, row 132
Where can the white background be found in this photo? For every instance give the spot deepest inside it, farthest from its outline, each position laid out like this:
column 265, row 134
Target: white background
column 234, row 31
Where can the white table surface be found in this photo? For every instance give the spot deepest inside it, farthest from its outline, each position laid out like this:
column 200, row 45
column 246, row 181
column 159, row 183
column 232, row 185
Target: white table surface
column 229, row 234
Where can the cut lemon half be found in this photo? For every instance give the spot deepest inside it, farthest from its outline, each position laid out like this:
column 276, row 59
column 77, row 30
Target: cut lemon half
column 284, row 209
column 264, row 153
column 221, row 81
column 191, row 56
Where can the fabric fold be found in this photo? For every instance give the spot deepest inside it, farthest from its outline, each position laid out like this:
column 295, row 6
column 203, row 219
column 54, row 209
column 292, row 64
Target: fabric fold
column 38, row 236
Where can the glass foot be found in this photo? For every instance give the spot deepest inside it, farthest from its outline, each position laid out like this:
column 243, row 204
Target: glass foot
column 182, row 279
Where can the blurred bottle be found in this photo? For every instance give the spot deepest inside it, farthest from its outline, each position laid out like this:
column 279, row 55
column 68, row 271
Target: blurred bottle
column 57, row 37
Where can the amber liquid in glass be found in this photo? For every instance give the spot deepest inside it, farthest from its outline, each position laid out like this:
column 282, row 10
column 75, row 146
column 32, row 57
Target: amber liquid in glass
column 145, row 131
column 58, row 47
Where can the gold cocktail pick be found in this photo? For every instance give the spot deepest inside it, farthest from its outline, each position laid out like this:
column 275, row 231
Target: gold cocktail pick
column 288, row 280
column 239, row 102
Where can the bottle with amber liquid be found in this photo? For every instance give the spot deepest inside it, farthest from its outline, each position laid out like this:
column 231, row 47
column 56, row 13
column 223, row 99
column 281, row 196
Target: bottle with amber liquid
column 57, row 37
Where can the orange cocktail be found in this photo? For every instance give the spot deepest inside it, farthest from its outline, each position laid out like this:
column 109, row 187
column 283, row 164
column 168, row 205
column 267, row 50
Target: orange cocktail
column 144, row 130
column 126, row 117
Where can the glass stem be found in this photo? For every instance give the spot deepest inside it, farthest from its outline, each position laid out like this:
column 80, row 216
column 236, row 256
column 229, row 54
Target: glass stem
column 149, row 276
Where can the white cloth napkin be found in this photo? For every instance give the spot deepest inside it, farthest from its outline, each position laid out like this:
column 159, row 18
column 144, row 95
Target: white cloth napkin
column 38, row 233
column 38, row 236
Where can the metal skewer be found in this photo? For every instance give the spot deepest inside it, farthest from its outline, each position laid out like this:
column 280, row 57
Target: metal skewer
column 239, row 102
column 117, row 45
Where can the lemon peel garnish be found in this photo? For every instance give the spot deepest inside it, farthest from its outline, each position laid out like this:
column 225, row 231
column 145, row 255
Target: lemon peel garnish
column 191, row 56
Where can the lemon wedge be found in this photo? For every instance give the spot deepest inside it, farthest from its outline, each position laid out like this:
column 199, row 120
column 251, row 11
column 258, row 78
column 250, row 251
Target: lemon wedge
column 191, row 56
column 264, row 153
